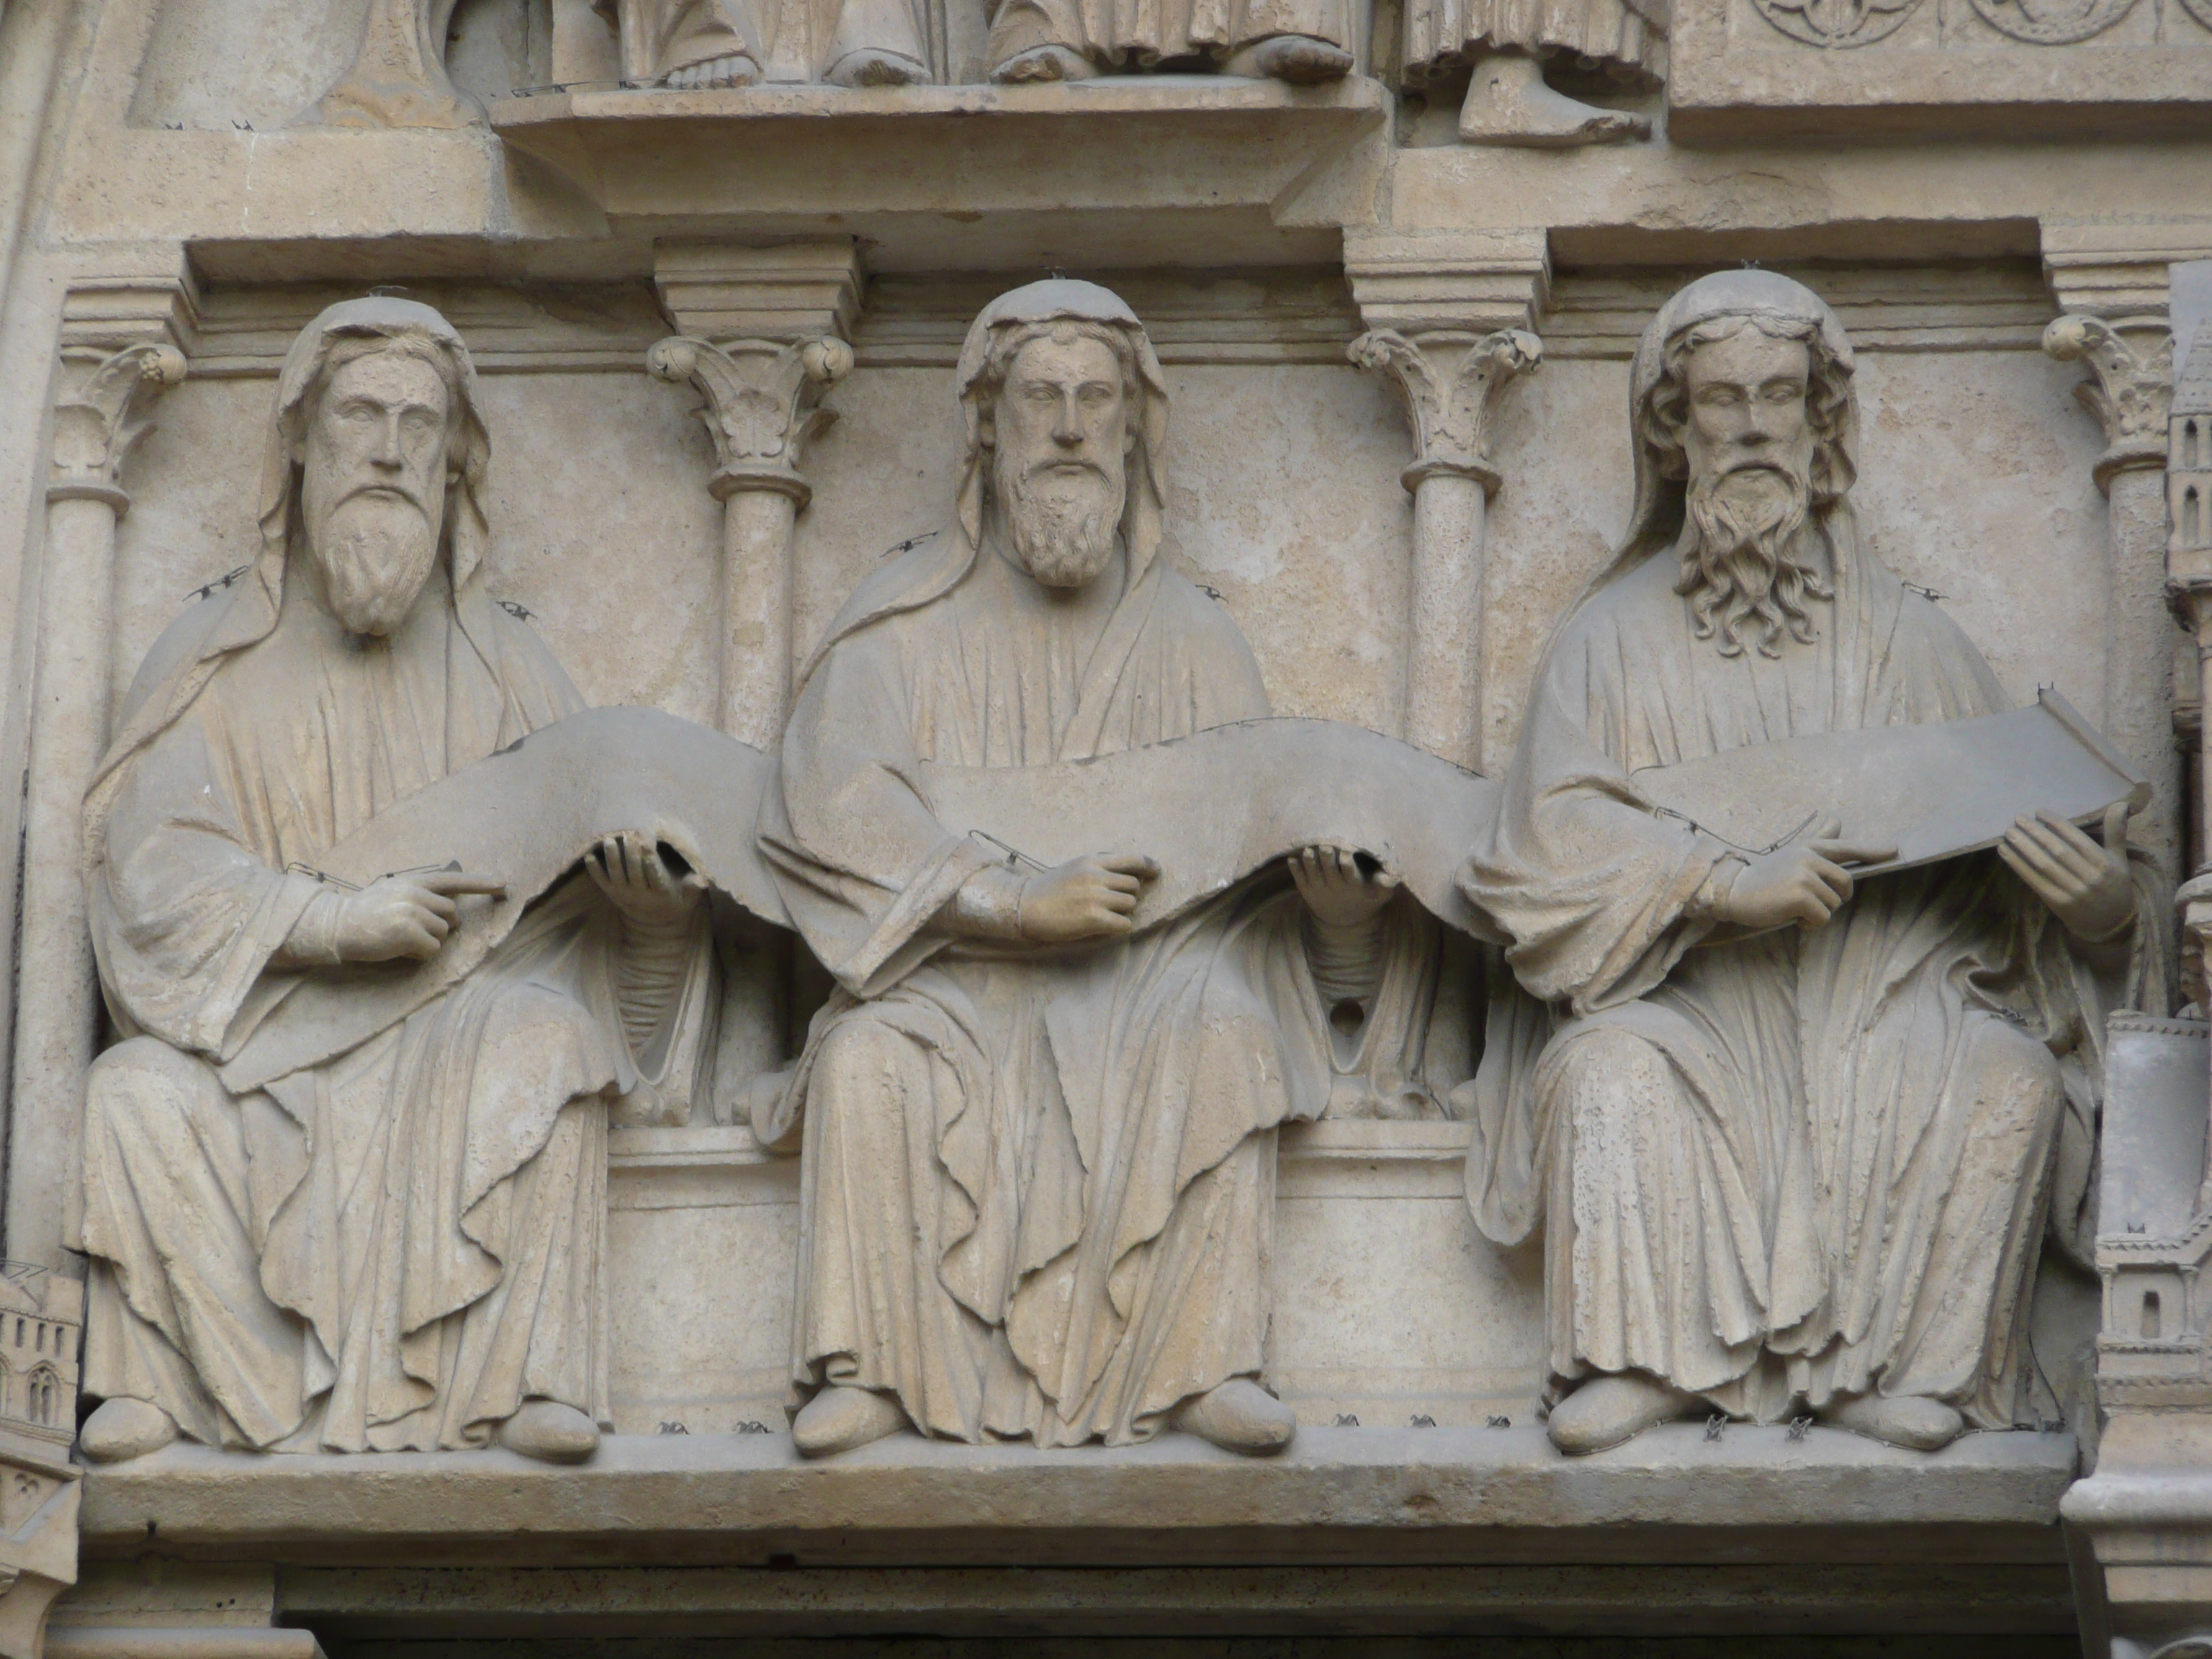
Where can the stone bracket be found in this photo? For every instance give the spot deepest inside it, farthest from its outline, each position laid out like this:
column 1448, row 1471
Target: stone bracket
column 761, row 405
column 96, row 428
column 2131, row 362
column 1451, row 381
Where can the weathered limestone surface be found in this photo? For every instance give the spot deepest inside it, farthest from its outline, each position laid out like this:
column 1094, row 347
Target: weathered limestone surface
column 714, row 262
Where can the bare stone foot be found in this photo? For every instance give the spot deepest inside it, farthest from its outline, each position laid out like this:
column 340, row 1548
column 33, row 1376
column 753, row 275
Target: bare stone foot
column 735, row 71
column 1301, row 60
column 1608, row 1410
column 1238, row 1416
column 124, row 1429
column 1044, row 64
column 839, row 1418
column 1913, row 1421
column 550, row 1432
column 870, row 67
column 1508, row 103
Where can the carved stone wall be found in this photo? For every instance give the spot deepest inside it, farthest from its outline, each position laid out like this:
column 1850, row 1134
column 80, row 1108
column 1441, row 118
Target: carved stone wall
column 717, row 333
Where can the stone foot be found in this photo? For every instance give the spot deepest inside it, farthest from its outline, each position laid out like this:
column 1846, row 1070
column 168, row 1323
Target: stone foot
column 870, row 67
column 1044, row 64
column 1608, row 1410
column 1508, row 103
column 1913, row 1421
column 1301, row 60
column 735, row 71
column 839, row 1418
column 550, row 1432
column 1238, row 1416
column 124, row 1429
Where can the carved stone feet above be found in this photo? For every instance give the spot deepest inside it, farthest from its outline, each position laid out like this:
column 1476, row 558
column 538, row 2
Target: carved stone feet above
column 1238, row 1416
column 1299, row 60
column 736, row 70
column 872, row 66
column 1043, row 63
column 1608, row 1410
column 124, row 1429
column 839, row 1418
column 550, row 1432
column 1911, row 1421
column 1508, row 102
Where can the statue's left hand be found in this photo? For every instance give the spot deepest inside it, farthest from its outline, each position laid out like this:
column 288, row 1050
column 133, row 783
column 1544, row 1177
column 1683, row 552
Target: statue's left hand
column 638, row 881
column 1336, row 889
column 2086, row 886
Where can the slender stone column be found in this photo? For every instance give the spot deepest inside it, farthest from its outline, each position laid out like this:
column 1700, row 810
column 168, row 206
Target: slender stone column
column 58, row 1006
column 2130, row 364
column 1451, row 381
column 761, row 405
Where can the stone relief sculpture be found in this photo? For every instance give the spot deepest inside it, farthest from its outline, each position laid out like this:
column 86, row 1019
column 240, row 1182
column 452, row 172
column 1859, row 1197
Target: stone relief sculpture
column 1038, row 1132
column 720, row 43
column 400, row 1241
column 1795, row 1133
column 1507, row 42
column 1305, row 42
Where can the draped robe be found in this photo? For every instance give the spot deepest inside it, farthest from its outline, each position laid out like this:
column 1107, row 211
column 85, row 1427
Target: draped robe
column 392, row 1248
column 1145, row 31
column 1778, row 1168
column 1037, row 1183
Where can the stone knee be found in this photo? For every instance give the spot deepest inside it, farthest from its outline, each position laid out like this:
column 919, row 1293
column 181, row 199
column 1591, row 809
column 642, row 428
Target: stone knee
column 144, row 1093
column 1615, row 1085
column 860, row 1079
column 2014, row 1078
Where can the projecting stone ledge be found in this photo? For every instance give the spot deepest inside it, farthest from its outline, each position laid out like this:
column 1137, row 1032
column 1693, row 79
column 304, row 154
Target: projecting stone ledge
column 1342, row 1495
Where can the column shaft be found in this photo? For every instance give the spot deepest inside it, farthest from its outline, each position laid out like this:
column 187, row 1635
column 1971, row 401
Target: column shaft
column 1443, row 657
column 756, row 643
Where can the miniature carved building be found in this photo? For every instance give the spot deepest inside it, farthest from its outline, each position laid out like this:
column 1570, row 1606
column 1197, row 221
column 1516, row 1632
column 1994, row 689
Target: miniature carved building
column 1035, row 828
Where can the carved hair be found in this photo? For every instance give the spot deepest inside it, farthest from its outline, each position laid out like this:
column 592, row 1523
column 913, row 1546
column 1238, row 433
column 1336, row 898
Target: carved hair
column 1827, row 398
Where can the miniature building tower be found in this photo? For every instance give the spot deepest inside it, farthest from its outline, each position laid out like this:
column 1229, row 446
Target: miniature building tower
column 2188, row 466
column 41, row 1331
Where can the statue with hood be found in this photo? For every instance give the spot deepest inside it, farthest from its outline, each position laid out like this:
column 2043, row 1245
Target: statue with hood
column 1038, row 1138
column 400, row 1244
column 1795, row 1129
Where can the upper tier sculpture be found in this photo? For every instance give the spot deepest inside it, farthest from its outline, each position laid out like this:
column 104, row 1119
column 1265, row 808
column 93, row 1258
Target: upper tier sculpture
column 1068, row 1101
column 1506, row 43
column 400, row 1240
column 1796, row 1135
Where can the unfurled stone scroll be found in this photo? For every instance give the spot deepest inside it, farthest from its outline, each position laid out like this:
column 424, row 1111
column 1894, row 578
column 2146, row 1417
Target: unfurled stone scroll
column 1215, row 807
column 526, row 815
column 1936, row 791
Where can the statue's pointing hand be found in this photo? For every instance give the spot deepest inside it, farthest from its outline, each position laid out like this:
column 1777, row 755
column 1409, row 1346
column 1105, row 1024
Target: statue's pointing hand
column 1802, row 882
column 1090, row 897
column 1337, row 888
column 2086, row 886
column 407, row 915
column 638, row 879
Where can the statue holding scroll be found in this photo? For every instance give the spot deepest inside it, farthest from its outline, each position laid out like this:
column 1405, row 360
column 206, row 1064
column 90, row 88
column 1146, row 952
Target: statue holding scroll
column 399, row 1242
column 1796, row 1131
column 1038, row 1127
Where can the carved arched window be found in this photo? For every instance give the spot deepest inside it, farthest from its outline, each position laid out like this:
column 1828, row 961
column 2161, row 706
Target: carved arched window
column 2153, row 1321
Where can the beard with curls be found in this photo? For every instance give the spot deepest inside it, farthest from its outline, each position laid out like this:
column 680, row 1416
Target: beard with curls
column 376, row 548
column 1739, row 559
column 1063, row 521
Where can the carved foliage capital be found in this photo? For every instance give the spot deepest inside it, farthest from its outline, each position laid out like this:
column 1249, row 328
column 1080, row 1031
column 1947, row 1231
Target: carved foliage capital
column 96, row 426
column 762, row 403
column 2130, row 388
column 1451, row 382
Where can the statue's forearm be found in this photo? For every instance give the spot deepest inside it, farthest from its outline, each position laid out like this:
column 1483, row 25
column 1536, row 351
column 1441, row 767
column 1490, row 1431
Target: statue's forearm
column 1345, row 958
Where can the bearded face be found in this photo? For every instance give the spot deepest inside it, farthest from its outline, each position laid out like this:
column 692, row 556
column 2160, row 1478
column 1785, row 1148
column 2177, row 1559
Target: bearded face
column 373, row 486
column 1058, row 462
column 1749, row 446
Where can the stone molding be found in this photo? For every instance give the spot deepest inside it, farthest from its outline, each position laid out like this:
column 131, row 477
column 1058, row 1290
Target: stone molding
column 793, row 292
column 761, row 405
column 1451, row 383
column 2131, row 387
